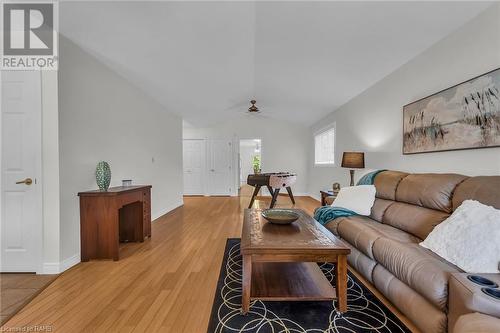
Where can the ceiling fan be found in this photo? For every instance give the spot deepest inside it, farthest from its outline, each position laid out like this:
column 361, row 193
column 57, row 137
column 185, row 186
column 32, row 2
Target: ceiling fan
column 253, row 108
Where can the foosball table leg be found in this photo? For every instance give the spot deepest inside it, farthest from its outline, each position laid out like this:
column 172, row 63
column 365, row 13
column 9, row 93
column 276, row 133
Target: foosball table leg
column 270, row 189
column 289, row 190
column 275, row 197
column 255, row 192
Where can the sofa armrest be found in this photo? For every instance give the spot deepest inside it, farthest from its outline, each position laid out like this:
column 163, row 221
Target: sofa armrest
column 465, row 297
column 477, row 323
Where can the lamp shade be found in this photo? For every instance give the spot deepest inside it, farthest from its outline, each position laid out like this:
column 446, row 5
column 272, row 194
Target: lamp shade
column 353, row 160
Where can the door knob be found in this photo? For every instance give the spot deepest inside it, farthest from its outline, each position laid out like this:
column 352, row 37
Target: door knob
column 27, row 181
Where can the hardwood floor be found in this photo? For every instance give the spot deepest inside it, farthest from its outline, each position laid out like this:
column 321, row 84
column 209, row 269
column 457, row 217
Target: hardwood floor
column 165, row 284
column 17, row 290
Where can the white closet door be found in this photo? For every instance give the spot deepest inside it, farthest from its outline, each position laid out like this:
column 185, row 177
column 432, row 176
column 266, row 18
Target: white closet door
column 21, row 195
column 220, row 172
column 194, row 166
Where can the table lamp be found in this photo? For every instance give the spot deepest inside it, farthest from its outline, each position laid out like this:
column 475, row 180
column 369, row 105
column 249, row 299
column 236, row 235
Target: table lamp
column 353, row 160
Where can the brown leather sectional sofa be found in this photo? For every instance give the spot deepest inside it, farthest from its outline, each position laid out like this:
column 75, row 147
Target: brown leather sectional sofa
column 385, row 246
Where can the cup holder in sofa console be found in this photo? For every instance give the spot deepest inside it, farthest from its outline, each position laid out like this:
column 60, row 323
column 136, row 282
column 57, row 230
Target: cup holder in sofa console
column 495, row 293
column 482, row 281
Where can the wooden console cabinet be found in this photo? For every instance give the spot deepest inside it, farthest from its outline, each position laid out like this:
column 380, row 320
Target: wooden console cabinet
column 120, row 214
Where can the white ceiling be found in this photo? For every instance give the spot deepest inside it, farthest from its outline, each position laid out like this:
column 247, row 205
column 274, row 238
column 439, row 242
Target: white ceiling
column 300, row 60
column 250, row 143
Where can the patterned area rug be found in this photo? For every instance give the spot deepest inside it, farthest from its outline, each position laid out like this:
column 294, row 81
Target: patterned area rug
column 365, row 312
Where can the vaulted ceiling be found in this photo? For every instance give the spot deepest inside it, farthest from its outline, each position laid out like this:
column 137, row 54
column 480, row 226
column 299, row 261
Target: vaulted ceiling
column 300, row 60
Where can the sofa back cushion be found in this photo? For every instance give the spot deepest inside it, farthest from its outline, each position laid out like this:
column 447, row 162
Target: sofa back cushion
column 387, row 182
column 433, row 191
column 416, row 203
column 416, row 220
column 379, row 207
column 485, row 189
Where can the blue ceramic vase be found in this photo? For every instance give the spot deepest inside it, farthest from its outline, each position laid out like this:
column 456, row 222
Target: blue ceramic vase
column 103, row 175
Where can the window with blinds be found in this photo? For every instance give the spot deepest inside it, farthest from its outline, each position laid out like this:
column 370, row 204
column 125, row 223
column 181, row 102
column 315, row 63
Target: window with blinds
column 324, row 147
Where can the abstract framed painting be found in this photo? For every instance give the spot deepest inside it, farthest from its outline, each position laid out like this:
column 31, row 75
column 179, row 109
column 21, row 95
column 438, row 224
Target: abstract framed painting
column 465, row 116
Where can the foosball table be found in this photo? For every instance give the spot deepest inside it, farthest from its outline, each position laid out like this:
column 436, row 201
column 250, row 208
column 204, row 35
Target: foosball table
column 274, row 182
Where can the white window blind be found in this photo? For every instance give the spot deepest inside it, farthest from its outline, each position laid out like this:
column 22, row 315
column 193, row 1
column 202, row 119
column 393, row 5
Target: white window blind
column 324, row 147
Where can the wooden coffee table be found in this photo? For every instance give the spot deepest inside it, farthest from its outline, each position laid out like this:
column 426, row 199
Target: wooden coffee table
column 279, row 261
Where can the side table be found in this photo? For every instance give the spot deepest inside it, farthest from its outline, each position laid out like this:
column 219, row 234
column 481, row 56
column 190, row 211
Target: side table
column 325, row 194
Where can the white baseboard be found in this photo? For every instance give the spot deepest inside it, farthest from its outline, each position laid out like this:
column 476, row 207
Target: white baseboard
column 59, row 267
column 166, row 210
column 50, row 268
column 295, row 194
column 70, row 262
column 315, row 196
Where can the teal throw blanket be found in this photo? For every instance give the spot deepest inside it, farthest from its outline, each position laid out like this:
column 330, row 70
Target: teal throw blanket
column 369, row 178
column 326, row 214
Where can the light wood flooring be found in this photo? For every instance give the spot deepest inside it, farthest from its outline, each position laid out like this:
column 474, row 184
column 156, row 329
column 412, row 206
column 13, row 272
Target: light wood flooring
column 166, row 284
column 16, row 290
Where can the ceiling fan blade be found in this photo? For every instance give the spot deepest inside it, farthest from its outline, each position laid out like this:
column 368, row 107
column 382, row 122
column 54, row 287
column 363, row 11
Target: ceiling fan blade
column 237, row 106
column 259, row 114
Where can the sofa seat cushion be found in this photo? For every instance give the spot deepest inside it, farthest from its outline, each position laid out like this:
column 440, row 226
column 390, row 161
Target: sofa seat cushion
column 333, row 225
column 362, row 232
column 427, row 317
column 361, row 263
column 416, row 266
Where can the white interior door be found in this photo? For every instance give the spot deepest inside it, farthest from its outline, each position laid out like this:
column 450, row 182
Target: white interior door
column 220, row 171
column 194, row 152
column 21, row 209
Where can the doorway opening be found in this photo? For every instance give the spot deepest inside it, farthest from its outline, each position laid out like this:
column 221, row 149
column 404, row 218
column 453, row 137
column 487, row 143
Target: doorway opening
column 250, row 162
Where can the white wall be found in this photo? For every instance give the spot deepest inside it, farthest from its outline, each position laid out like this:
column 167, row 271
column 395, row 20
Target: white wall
column 284, row 145
column 50, row 173
column 372, row 121
column 104, row 117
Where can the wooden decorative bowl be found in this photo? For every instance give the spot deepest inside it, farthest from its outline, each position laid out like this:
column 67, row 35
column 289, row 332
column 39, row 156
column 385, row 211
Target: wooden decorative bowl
column 280, row 216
